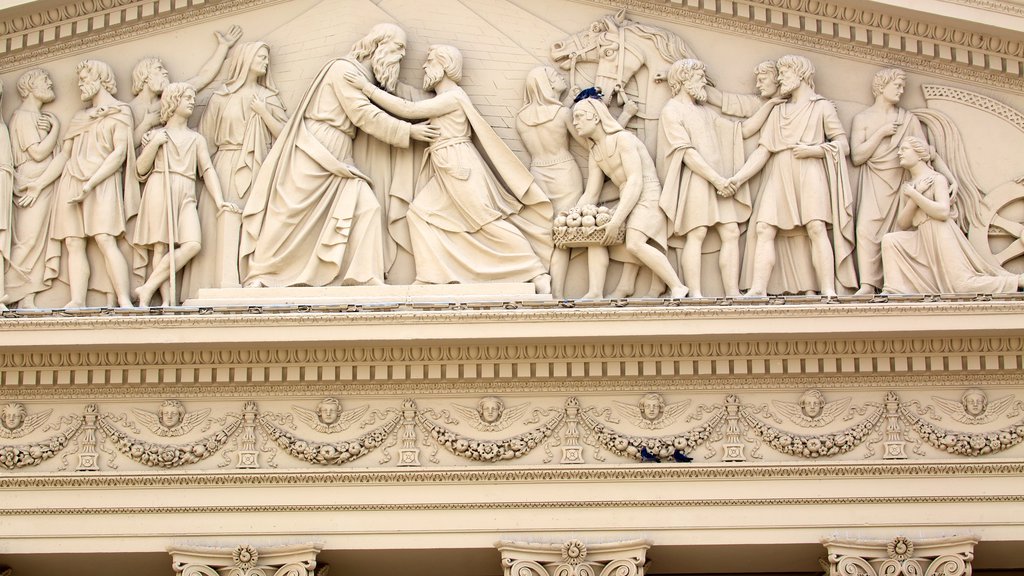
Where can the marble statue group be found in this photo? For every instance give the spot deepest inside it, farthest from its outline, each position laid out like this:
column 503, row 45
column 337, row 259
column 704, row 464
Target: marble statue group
column 128, row 201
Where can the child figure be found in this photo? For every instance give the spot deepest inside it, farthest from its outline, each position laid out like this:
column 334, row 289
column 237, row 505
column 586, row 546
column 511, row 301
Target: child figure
column 170, row 174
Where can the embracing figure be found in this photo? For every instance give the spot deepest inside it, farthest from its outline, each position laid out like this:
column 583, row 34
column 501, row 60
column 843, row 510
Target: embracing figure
column 312, row 218
column 468, row 223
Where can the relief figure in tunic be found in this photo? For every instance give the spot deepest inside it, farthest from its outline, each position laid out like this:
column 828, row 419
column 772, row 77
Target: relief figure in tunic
column 875, row 140
column 93, row 198
column 34, row 138
column 312, row 218
column 168, row 222
column 804, row 189
column 240, row 124
column 700, row 150
column 622, row 158
column 462, row 219
column 6, row 202
column 931, row 255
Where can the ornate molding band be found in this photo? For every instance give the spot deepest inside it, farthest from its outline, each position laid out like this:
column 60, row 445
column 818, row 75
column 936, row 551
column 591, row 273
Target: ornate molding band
column 89, row 25
column 827, row 27
column 561, row 504
column 573, row 474
column 998, row 109
column 809, row 24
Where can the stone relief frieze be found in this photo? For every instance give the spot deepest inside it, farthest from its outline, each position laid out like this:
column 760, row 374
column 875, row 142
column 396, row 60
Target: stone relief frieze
column 35, row 452
column 728, row 429
column 331, row 453
column 487, row 450
column 395, row 168
column 156, row 454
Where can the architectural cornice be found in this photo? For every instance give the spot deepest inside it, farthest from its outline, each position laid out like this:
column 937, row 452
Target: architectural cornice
column 844, row 29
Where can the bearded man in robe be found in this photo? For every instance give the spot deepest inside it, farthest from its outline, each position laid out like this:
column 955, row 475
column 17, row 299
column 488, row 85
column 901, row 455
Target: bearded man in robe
column 313, row 218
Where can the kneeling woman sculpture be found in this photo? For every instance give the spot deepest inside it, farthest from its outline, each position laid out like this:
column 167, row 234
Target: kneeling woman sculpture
column 934, row 257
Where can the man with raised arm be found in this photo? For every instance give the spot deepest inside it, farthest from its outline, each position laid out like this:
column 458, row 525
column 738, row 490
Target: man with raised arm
column 149, row 78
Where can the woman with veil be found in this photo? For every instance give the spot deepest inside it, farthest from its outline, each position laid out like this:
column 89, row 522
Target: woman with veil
column 240, row 124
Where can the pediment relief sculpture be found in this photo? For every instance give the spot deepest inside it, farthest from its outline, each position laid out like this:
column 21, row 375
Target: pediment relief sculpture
column 371, row 182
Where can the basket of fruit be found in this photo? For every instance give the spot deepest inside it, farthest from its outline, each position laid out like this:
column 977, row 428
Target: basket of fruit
column 581, row 227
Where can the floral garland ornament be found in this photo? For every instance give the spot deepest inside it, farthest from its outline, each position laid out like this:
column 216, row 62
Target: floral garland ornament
column 490, row 450
column 965, row 443
column 330, row 453
column 649, row 448
column 36, row 453
column 817, row 446
column 167, row 455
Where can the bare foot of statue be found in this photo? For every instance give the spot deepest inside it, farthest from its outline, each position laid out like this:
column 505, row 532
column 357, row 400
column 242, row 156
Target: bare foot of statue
column 144, row 294
column 829, row 294
column 865, row 290
column 74, row 304
column 28, row 301
column 592, row 295
column 374, row 282
column 543, row 283
column 255, row 284
column 756, row 293
column 619, row 293
column 125, row 302
column 679, row 292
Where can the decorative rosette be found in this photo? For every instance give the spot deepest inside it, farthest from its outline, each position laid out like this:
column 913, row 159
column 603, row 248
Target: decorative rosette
column 900, row 549
column 574, row 552
column 245, row 557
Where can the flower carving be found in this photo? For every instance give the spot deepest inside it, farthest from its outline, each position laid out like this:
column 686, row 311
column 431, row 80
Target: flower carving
column 245, row 557
column 573, row 552
column 900, row 549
